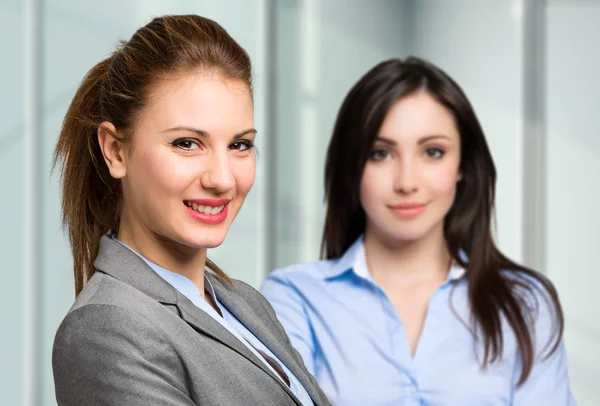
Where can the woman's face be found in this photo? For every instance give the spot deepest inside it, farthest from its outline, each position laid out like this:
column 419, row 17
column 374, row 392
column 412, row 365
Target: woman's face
column 409, row 182
column 190, row 162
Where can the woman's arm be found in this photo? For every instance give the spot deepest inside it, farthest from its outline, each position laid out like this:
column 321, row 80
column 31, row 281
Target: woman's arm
column 107, row 355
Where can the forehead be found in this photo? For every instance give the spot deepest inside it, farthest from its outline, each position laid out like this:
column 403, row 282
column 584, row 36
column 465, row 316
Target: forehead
column 418, row 115
column 207, row 101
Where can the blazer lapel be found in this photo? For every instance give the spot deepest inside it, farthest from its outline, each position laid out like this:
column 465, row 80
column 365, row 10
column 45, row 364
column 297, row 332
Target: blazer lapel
column 244, row 312
column 118, row 261
column 207, row 325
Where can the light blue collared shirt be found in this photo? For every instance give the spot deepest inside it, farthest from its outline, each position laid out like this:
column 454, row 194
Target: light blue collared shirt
column 189, row 289
column 353, row 342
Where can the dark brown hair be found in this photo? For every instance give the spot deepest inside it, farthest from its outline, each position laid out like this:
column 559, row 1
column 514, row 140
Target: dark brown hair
column 497, row 286
column 116, row 90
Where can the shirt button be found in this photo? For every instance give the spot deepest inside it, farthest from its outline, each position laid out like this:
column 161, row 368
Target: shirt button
column 413, row 388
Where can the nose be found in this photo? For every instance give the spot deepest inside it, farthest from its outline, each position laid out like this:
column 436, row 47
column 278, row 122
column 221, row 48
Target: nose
column 406, row 177
column 218, row 176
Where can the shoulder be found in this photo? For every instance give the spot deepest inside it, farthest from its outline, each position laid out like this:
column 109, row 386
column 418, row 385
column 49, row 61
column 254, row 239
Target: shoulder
column 105, row 320
column 107, row 307
column 303, row 273
column 103, row 289
column 99, row 337
column 294, row 291
column 541, row 308
column 534, row 290
column 316, row 274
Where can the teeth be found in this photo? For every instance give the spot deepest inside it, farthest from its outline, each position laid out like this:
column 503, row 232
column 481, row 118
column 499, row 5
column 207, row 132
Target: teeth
column 205, row 209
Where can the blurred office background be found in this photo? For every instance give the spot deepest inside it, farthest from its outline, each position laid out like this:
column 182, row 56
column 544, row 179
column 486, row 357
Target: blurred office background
column 529, row 67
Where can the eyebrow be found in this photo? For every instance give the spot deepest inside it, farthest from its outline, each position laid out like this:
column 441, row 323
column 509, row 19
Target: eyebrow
column 421, row 141
column 205, row 134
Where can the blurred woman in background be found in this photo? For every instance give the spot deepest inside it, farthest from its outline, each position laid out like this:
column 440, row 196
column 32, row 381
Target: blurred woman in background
column 413, row 303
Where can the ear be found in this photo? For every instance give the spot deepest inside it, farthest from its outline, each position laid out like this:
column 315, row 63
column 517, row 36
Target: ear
column 113, row 150
column 459, row 177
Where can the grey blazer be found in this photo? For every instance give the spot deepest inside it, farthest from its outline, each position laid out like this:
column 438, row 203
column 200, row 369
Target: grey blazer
column 132, row 339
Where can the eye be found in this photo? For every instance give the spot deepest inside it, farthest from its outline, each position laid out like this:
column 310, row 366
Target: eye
column 379, row 155
column 186, row 144
column 242, row 145
column 434, row 153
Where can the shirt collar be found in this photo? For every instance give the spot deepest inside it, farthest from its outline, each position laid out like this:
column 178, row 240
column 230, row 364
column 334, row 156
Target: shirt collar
column 355, row 260
column 456, row 272
column 347, row 262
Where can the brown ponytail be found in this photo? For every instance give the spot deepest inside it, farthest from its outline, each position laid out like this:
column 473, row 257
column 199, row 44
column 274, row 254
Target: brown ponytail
column 115, row 90
column 91, row 197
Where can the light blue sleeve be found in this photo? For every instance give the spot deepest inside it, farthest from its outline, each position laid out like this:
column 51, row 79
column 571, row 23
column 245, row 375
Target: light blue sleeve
column 291, row 311
column 548, row 382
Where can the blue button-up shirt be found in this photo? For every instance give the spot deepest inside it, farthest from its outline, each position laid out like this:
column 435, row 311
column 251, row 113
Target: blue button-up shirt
column 189, row 289
column 353, row 342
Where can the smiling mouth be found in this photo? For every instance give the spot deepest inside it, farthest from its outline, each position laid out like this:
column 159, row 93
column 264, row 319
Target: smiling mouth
column 210, row 210
column 408, row 210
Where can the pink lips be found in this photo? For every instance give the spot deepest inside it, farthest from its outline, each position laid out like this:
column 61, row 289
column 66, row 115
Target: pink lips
column 208, row 218
column 409, row 210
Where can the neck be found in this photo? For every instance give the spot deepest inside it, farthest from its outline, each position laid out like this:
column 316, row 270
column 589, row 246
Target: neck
column 402, row 262
column 168, row 254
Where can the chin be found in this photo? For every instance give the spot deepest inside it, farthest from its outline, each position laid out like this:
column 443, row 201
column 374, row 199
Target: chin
column 406, row 236
column 211, row 244
column 204, row 239
column 206, row 242
column 408, row 239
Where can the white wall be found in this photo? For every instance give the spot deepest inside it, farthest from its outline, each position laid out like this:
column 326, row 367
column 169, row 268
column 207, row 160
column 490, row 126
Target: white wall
column 323, row 48
column 11, row 203
column 479, row 44
column 573, row 184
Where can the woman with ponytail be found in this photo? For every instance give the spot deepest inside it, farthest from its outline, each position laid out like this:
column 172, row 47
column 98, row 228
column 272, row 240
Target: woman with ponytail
column 156, row 156
column 413, row 303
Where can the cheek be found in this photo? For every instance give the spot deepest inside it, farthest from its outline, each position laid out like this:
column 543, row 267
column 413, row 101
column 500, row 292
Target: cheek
column 365, row 189
column 244, row 174
column 161, row 174
column 443, row 183
column 372, row 187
